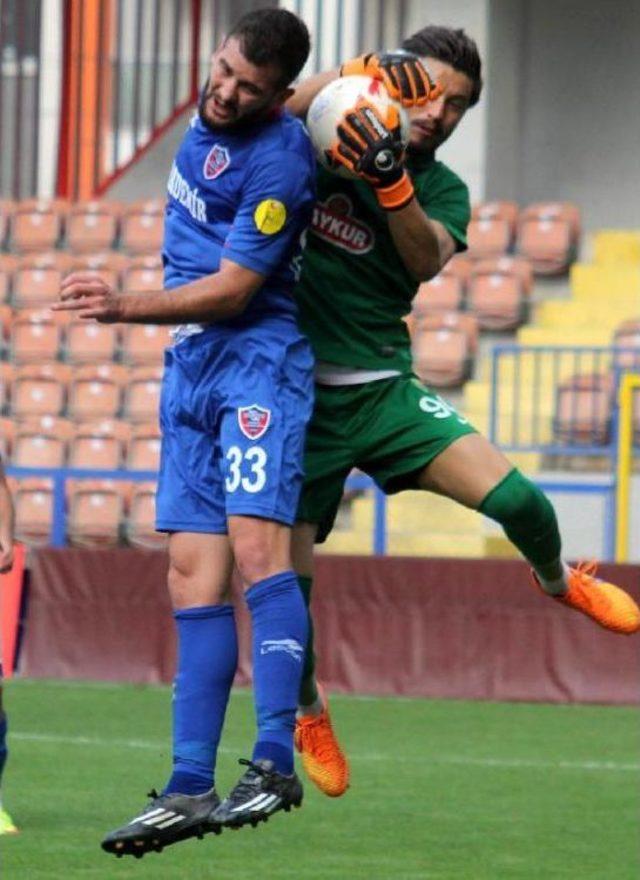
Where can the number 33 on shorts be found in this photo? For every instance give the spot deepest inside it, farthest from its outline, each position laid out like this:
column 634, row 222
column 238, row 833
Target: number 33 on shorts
column 246, row 469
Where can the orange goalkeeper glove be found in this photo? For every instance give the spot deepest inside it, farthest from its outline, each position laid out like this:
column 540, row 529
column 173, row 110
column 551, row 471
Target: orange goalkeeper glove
column 402, row 73
column 370, row 147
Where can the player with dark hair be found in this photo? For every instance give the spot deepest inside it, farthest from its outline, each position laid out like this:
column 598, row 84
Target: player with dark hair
column 371, row 411
column 237, row 394
column 7, row 524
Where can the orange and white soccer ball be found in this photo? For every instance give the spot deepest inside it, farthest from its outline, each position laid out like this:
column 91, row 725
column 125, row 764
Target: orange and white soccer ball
column 330, row 104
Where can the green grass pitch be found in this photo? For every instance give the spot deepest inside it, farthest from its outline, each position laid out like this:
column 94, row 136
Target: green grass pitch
column 440, row 791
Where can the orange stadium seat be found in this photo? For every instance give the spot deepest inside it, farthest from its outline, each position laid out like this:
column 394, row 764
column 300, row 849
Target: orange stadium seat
column 146, row 261
column 41, row 441
column 95, row 391
column 7, row 209
column 507, row 265
column 35, row 286
column 584, row 410
column 100, row 262
column 36, row 335
column 142, row 394
column 142, row 227
column 33, row 502
column 441, row 356
column 497, row 299
column 140, row 523
column 441, row 294
column 144, row 344
column 138, row 279
column 96, row 511
column 88, row 341
column 488, row 238
column 39, row 389
column 59, row 260
column 548, row 235
column 556, row 211
column 143, row 450
column 627, row 336
column 37, row 224
column 92, row 225
column 99, row 444
column 463, row 321
column 497, row 210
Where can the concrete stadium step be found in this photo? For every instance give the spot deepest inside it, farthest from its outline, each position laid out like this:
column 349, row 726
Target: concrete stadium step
column 574, row 314
column 563, row 336
column 602, row 281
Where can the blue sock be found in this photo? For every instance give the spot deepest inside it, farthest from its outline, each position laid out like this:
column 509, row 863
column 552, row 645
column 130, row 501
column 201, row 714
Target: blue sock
column 3, row 743
column 279, row 622
column 207, row 661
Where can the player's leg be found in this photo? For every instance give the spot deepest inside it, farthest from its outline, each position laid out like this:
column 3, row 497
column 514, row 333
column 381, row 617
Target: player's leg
column 261, row 447
column 199, row 576
column 7, row 825
column 472, row 471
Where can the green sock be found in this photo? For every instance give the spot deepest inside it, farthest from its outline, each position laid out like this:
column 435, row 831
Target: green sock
column 308, row 689
column 529, row 521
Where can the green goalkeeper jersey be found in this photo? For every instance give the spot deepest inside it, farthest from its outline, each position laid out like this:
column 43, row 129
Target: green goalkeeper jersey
column 354, row 289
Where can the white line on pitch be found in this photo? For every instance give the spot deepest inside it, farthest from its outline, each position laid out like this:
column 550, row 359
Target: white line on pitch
column 499, row 763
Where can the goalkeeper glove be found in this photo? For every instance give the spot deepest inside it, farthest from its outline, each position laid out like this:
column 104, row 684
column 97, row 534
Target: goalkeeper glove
column 402, row 73
column 370, row 147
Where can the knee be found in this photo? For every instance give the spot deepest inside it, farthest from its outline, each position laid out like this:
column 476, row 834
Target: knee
column 254, row 557
column 517, row 502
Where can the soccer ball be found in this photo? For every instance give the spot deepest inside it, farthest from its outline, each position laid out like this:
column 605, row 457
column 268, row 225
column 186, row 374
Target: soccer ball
column 329, row 105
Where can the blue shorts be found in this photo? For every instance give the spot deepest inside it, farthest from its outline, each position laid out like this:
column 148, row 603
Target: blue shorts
column 233, row 413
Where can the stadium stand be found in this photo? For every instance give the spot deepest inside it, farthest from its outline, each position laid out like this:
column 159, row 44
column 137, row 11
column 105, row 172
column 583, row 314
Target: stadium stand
column 498, row 210
column 548, row 235
column 142, row 227
column 35, row 286
column 488, row 237
column 92, row 225
column 36, row 335
column 37, row 224
column 497, row 298
column 7, row 209
column 140, row 522
column 86, row 342
column 143, row 448
column 584, row 410
column 98, row 444
column 41, row 441
column 39, row 389
column 144, row 344
column 33, row 500
column 95, row 391
column 142, row 394
column 444, row 293
column 96, row 510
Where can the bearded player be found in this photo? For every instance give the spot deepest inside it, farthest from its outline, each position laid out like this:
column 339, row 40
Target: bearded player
column 371, row 411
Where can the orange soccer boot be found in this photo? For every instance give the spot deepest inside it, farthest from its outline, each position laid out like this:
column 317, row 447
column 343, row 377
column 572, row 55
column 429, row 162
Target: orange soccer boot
column 322, row 758
column 608, row 605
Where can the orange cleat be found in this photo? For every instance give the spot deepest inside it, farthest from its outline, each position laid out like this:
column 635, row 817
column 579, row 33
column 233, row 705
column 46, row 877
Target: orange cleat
column 322, row 758
column 608, row 605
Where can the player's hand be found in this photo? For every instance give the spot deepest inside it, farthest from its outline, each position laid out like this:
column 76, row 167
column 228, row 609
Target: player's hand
column 402, row 73
column 91, row 297
column 370, row 146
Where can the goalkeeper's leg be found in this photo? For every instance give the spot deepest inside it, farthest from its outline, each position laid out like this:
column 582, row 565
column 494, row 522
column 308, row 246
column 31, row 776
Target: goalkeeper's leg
column 472, row 471
column 322, row 758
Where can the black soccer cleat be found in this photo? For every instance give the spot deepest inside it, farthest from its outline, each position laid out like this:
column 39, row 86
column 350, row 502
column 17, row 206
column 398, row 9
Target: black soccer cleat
column 167, row 819
column 259, row 793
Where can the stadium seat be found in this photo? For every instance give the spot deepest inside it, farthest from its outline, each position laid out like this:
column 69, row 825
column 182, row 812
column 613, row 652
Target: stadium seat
column 33, row 502
column 497, row 299
column 101, row 261
column 584, row 410
column 142, row 227
column 41, row 442
column 616, row 246
column 36, row 335
column 95, row 391
column 144, row 344
column 39, row 389
column 488, row 238
column 59, row 260
column 7, row 209
column 498, row 210
column 151, row 260
column 92, row 225
column 556, row 211
column 97, row 444
column 506, row 265
column 37, row 224
column 138, row 279
column 441, row 294
column 459, row 265
column 140, row 523
column 96, row 511
column 627, row 336
column 35, row 286
column 441, row 356
column 463, row 321
column 548, row 235
column 143, row 450
column 142, row 394
column 88, row 341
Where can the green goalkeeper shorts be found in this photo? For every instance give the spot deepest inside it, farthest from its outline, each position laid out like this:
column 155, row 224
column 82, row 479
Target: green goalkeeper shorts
column 390, row 429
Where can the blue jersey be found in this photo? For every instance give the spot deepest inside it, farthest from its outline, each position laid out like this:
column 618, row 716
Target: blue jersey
column 245, row 195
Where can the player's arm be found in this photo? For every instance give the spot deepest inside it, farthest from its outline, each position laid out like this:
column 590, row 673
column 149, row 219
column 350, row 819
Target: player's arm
column 402, row 73
column 370, row 146
column 222, row 295
column 7, row 524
